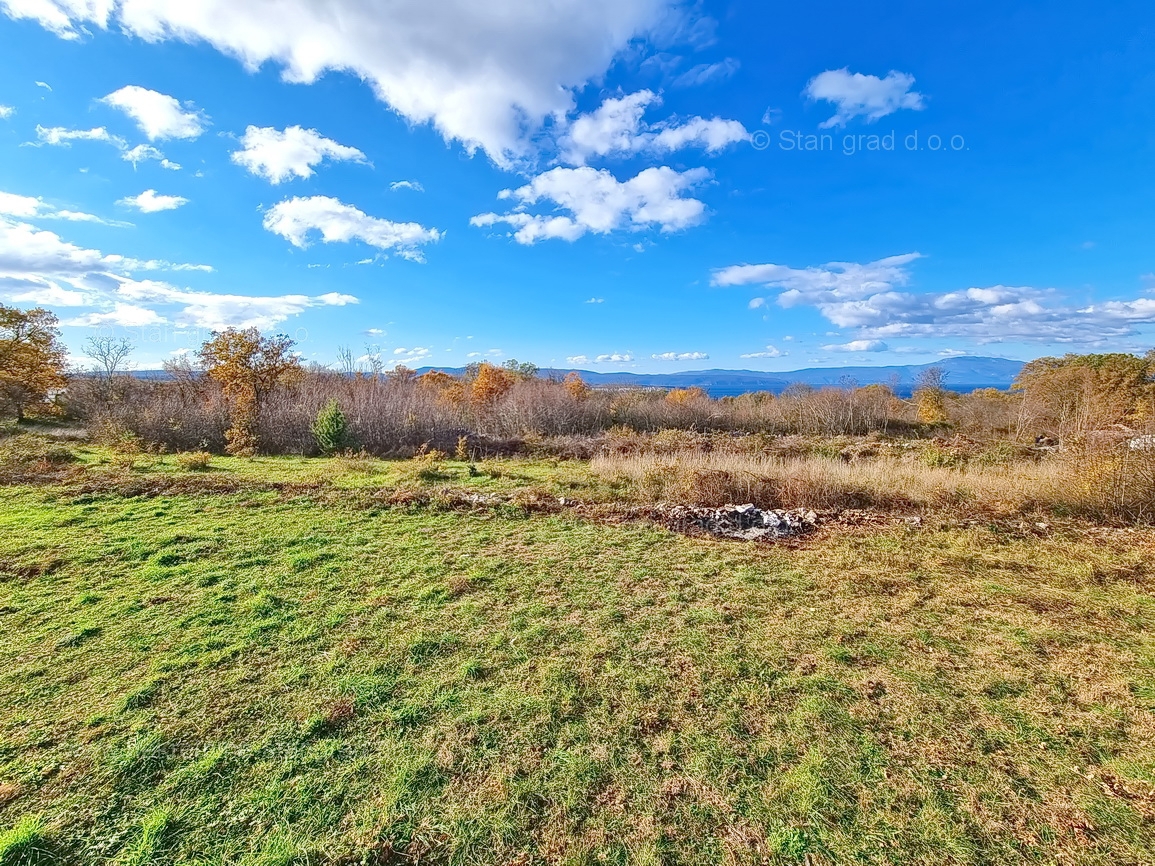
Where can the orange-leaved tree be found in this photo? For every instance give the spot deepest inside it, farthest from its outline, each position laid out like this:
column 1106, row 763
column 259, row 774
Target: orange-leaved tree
column 248, row 367
column 32, row 359
column 490, row 385
column 576, row 386
column 1078, row 393
column 930, row 396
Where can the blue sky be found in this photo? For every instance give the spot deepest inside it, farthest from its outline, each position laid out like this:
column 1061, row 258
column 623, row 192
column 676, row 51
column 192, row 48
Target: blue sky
column 639, row 185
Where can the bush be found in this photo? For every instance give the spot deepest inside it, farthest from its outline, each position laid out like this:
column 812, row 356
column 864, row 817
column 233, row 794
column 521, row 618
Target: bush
column 331, row 429
column 194, row 461
column 25, row 450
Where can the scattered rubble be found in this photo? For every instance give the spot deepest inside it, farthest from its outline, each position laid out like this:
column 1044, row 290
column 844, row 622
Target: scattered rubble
column 745, row 522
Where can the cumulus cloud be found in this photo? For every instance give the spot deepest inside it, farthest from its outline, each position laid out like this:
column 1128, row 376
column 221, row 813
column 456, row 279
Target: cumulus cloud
column 406, row 184
column 681, row 356
column 858, row 95
column 39, row 267
column 158, row 115
column 6, row 111
column 768, row 352
column 595, row 201
column 870, row 299
column 144, row 152
column 294, row 219
column 611, row 358
column 279, row 155
column 616, row 128
column 150, row 201
column 485, row 74
column 858, row 346
column 63, row 137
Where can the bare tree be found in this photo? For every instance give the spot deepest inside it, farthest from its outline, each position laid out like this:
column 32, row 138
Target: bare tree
column 347, row 363
column 110, row 361
column 373, row 360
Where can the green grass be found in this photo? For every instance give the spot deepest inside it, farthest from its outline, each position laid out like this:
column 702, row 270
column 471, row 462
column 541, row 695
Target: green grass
column 293, row 676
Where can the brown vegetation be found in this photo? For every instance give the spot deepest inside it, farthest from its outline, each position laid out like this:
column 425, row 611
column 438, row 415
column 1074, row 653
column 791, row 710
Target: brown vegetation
column 32, row 361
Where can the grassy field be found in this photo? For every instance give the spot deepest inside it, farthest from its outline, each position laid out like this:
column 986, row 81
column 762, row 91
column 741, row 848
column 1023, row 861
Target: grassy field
column 302, row 661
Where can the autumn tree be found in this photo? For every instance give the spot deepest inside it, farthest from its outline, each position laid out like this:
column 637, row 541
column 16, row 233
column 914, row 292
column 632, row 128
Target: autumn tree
column 576, row 386
column 490, row 385
column 32, row 359
column 930, row 396
column 1077, row 393
column 248, row 368
column 448, row 388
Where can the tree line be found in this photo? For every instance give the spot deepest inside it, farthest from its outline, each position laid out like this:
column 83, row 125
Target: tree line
column 244, row 392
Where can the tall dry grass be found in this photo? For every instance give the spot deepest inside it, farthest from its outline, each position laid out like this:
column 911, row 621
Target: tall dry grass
column 1115, row 485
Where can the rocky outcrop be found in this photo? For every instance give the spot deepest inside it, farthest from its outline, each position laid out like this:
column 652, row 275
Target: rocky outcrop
column 745, row 522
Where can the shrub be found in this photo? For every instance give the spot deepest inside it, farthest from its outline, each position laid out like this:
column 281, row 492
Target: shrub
column 331, row 429
column 194, row 461
column 27, row 450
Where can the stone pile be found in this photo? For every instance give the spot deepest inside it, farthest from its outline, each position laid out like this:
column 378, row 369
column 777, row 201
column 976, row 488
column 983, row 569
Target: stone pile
column 744, row 522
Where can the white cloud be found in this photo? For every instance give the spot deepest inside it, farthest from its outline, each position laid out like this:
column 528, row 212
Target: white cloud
column 868, row 298
column 597, row 202
column 59, row 135
column 6, row 111
column 769, row 352
column 216, row 311
column 121, row 314
column 150, row 201
column 293, row 219
column 485, row 74
column 406, row 184
column 859, row 346
column 279, row 155
column 596, row 301
column 144, row 152
column 158, row 115
column 43, row 84
column 616, row 128
column 19, row 205
column 612, row 358
column 403, row 357
column 28, row 207
column 858, row 95
column 38, row 267
column 828, row 283
column 681, row 356
column 706, row 73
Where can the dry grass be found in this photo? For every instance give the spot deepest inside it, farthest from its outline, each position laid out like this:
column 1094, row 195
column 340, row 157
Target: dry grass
column 716, row 479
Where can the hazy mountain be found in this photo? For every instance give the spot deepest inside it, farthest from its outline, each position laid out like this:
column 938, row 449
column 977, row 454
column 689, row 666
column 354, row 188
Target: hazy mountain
column 962, row 374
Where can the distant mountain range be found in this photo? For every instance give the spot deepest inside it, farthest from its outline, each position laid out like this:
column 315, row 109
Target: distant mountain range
column 962, row 374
